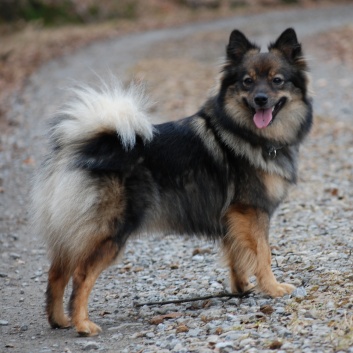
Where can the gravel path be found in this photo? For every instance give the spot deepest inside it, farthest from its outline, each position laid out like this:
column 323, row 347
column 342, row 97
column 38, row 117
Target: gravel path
column 311, row 233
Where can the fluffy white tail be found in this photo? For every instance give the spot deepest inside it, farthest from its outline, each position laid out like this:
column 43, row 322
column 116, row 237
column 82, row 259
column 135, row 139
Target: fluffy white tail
column 69, row 210
column 110, row 108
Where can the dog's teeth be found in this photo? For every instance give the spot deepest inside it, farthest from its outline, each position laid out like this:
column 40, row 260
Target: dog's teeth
column 273, row 108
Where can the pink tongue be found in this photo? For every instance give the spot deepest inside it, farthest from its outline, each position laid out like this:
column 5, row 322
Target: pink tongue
column 263, row 117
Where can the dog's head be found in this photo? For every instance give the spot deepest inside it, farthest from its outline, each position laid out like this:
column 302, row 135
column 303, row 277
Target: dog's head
column 266, row 92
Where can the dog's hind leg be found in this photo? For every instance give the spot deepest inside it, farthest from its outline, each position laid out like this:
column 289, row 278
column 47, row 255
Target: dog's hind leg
column 58, row 277
column 248, row 252
column 84, row 278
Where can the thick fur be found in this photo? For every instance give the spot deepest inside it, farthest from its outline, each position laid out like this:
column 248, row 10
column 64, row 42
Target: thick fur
column 112, row 174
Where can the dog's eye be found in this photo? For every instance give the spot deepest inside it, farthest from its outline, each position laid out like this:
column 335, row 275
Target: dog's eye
column 248, row 81
column 277, row 81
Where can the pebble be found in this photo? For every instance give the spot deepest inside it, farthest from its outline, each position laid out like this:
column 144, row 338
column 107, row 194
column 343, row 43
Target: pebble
column 194, row 332
column 330, row 305
column 310, row 315
column 221, row 345
column 299, row 292
column 4, row 322
column 280, row 310
column 150, row 335
column 92, row 345
column 15, row 256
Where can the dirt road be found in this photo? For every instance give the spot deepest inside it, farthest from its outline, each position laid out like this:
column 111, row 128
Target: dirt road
column 313, row 228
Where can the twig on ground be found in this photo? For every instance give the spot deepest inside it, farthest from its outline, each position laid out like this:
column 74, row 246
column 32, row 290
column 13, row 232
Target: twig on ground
column 186, row 300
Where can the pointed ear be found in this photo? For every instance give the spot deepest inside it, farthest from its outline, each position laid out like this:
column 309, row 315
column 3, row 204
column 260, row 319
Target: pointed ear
column 238, row 46
column 287, row 43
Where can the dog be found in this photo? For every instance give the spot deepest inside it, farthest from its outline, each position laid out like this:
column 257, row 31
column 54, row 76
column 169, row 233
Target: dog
column 220, row 173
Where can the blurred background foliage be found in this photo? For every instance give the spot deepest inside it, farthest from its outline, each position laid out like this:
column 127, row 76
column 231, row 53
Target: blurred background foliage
column 55, row 12
column 58, row 12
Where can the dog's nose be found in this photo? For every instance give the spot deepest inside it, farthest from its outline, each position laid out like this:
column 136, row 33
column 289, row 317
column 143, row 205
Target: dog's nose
column 261, row 99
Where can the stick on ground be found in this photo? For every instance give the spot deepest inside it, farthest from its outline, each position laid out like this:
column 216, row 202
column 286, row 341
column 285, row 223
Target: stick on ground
column 186, row 300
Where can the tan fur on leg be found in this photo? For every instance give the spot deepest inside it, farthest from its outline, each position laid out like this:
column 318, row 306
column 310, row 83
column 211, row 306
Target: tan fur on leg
column 247, row 251
column 58, row 277
column 84, row 279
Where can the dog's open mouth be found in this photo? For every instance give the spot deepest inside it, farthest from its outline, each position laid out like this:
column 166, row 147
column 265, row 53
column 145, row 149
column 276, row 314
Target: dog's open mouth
column 264, row 117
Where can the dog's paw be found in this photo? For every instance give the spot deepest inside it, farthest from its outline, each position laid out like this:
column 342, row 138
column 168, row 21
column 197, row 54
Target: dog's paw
column 62, row 321
column 245, row 288
column 280, row 289
column 87, row 328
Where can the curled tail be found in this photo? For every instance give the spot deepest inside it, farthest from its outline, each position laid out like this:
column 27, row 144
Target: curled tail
column 97, row 130
column 110, row 109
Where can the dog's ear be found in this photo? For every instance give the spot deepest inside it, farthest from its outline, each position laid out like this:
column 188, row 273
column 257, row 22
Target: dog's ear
column 238, row 46
column 287, row 43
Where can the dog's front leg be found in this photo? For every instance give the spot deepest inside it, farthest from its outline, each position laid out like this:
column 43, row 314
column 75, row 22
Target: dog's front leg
column 248, row 253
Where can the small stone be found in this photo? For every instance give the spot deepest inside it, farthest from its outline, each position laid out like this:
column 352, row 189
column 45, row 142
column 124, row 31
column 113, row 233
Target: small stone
column 117, row 336
column 24, row 327
column 224, row 347
column 310, row 315
column 251, row 302
column 90, row 346
column 213, row 339
column 299, row 292
column 161, row 327
column 3, row 323
column 330, row 305
column 198, row 258
column 194, row 332
column 246, row 342
column 149, row 334
column 280, row 310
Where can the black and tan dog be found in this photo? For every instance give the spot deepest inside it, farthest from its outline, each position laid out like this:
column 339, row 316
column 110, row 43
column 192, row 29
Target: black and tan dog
column 220, row 173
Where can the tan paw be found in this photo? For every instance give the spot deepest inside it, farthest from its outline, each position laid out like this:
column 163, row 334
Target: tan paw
column 249, row 287
column 87, row 328
column 61, row 321
column 280, row 289
column 244, row 288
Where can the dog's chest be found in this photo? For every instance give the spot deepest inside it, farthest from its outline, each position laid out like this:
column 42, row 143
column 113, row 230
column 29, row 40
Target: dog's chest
column 276, row 187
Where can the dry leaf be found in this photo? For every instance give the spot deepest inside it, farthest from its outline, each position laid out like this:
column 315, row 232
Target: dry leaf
column 218, row 331
column 200, row 251
column 275, row 345
column 267, row 309
column 156, row 320
column 182, row 328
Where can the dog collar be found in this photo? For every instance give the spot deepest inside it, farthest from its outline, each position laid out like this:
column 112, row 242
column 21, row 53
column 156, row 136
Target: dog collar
column 271, row 150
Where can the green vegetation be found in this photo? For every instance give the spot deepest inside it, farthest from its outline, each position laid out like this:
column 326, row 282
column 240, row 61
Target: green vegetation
column 56, row 12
